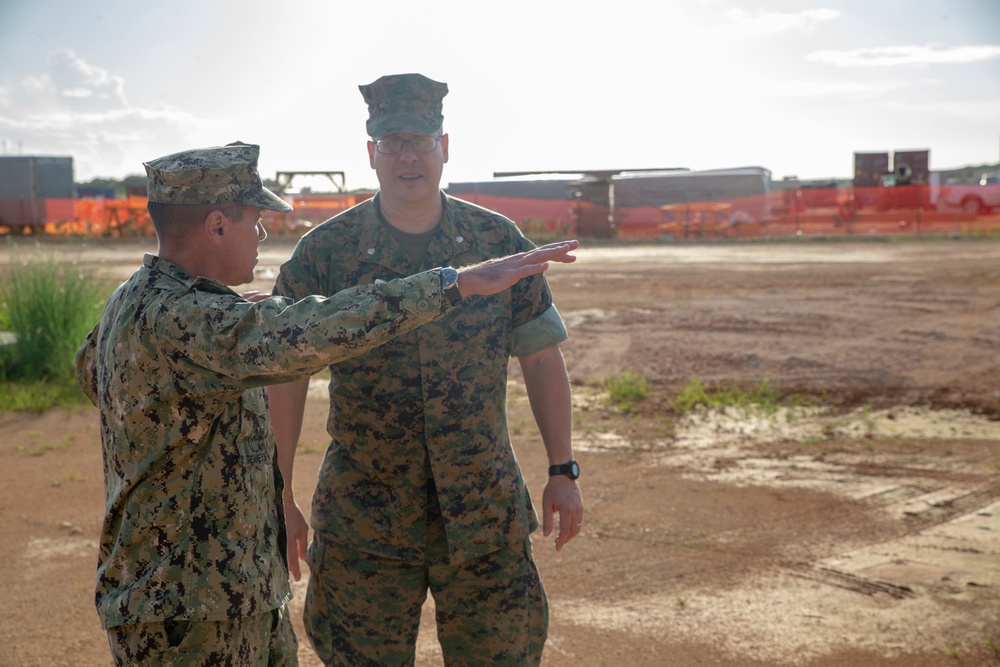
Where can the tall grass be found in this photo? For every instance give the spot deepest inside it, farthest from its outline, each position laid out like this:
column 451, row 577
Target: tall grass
column 50, row 305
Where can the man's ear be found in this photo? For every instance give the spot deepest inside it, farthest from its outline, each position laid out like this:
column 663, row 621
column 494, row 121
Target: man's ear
column 214, row 227
column 371, row 153
column 444, row 146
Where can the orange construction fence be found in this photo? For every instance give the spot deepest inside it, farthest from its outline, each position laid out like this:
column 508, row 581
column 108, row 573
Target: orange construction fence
column 828, row 211
column 121, row 218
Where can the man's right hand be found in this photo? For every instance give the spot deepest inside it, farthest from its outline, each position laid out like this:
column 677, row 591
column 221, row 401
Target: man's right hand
column 297, row 530
column 496, row 275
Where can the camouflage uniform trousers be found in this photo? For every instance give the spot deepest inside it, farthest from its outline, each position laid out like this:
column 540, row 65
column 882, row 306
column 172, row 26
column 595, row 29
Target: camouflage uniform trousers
column 364, row 610
column 264, row 640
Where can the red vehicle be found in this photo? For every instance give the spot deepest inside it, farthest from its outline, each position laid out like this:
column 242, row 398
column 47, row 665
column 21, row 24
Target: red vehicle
column 982, row 197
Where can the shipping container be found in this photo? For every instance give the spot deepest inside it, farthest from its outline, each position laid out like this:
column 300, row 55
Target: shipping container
column 33, row 189
column 637, row 197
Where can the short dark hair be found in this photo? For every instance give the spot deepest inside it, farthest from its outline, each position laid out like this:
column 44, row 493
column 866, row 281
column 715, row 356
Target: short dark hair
column 172, row 220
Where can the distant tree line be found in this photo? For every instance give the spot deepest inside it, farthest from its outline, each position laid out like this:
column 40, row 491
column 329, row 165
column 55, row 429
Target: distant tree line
column 118, row 186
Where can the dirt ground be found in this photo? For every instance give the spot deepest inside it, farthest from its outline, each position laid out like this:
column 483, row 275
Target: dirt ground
column 859, row 525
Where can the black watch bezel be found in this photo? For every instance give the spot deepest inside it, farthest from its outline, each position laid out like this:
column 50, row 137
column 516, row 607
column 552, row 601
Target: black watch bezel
column 449, row 285
column 571, row 469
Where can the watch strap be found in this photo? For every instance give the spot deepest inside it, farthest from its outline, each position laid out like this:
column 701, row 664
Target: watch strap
column 449, row 285
column 571, row 469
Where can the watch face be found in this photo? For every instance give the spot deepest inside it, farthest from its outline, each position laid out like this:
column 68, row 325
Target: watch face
column 570, row 469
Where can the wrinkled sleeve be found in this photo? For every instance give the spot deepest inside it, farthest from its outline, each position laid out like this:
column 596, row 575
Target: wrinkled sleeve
column 545, row 330
column 277, row 340
column 86, row 368
column 537, row 323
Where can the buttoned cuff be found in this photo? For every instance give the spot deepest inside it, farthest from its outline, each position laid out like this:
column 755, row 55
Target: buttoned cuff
column 419, row 294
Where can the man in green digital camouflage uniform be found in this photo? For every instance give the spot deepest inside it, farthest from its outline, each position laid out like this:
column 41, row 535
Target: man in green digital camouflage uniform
column 420, row 489
column 191, row 566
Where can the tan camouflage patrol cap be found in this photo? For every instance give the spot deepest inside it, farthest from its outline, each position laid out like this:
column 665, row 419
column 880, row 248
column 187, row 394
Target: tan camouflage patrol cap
column 213, row 175
column 404, row 103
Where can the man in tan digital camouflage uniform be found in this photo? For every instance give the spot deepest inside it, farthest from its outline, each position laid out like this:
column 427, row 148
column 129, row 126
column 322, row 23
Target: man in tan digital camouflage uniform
column 191, row 564
column 420, row 489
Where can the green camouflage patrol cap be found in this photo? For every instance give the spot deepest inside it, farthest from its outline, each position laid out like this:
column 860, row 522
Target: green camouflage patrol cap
column 213, row 175
column 404, row 103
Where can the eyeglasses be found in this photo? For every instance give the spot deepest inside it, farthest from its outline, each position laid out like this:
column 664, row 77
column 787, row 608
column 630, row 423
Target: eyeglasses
column 423, row 143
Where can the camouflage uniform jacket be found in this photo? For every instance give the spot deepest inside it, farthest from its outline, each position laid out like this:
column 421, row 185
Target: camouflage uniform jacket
column 177, row 366
column 427, row 410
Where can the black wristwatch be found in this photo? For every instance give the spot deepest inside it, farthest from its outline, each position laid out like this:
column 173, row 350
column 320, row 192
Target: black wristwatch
column 449, row 285
column 571, row 470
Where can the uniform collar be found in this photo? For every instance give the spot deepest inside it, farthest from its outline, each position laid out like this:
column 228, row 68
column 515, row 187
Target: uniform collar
column 377, row 246
column 174, row 272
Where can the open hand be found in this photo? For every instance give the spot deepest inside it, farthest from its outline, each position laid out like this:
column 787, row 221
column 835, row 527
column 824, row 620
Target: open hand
column 496, row 275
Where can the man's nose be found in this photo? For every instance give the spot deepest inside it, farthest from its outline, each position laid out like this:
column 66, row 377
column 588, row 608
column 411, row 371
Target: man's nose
column 407, row 151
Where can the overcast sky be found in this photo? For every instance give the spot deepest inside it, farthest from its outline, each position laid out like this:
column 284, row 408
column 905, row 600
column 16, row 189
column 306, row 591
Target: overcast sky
column 795, row 86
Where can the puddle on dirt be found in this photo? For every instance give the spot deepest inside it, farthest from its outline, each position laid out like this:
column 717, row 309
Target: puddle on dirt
column 720, row 445
column 45, row 548
column 705, row 427
column 902, row 581
column 713, row 427
column 723, row 446
column 706, row 438
column 777, row 619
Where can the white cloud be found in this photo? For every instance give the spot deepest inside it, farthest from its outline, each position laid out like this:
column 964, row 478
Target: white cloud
column 68, row 83
column 70, row 73
column 79, row 105
column 891, row 56
column 742, row 21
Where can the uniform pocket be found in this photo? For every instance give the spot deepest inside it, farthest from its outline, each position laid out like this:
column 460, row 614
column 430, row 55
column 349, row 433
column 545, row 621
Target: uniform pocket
column 176, row 632
column 256, row 433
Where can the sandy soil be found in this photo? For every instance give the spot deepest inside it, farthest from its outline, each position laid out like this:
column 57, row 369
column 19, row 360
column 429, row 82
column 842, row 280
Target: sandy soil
column 858, row 526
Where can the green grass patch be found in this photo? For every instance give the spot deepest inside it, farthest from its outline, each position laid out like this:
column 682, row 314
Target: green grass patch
column 694, row 394
column 626, row 390
column 39, row 395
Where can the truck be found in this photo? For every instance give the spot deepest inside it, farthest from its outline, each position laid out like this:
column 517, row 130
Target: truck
column 979, row 198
